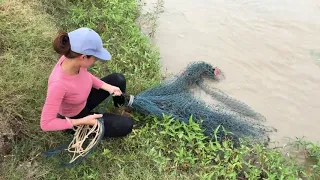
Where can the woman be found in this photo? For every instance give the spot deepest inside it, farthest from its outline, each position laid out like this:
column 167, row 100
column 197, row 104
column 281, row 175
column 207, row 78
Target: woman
column 73, row 92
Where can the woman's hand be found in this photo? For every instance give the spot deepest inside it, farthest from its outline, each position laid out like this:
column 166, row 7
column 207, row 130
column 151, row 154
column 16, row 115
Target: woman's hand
column 92, row 119
column 112, row 89
column 88, row 120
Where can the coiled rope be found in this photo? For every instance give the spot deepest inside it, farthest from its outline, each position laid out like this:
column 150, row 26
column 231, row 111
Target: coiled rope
column 81, row 135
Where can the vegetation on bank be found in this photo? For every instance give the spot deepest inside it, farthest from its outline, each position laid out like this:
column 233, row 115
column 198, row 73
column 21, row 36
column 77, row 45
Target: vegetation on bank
column 157, row 148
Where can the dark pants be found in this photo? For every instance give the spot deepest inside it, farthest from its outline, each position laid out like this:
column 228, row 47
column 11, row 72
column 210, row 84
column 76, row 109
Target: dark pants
column 115, row 125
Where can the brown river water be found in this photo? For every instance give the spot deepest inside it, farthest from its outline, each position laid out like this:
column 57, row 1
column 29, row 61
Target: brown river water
column 269, row 51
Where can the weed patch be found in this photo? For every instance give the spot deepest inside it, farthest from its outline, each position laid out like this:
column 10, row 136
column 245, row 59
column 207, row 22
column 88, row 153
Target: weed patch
column 26, row 55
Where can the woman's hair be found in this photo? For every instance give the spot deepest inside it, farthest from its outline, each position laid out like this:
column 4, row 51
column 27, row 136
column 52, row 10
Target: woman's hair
column 61, row 45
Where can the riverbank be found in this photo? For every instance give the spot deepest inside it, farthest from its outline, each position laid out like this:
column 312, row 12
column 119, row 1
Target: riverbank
column 157, row 148
column 268, row 50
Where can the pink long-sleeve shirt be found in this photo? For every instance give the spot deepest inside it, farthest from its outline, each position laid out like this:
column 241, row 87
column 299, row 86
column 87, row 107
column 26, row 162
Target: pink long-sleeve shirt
column 66, row 95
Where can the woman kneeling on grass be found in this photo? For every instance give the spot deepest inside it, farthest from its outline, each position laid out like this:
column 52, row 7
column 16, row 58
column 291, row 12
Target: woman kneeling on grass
column 73, row 91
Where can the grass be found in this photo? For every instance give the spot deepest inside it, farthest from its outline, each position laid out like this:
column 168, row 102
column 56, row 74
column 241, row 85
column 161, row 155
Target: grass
column 157, row 148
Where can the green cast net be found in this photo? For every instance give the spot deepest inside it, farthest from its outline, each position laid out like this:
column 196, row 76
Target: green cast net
column 175, row 97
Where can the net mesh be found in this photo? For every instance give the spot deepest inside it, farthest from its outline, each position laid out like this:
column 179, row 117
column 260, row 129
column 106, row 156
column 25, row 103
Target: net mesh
column 175, row 97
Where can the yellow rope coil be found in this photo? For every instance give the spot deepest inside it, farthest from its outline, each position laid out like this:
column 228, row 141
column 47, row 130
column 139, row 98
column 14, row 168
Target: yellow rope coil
column 81, row 134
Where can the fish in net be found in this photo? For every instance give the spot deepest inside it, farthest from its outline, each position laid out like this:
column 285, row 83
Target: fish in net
column 175, row 98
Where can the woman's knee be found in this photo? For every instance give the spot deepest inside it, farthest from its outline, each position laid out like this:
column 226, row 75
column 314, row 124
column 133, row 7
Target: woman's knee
column 126, row 126
column 117, row 125
column 116, row 79
column 120, row 77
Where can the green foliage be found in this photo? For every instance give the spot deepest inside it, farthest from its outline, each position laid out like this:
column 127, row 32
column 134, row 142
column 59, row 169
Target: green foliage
column 178, row 148
column 26, row 58
column 312, row 152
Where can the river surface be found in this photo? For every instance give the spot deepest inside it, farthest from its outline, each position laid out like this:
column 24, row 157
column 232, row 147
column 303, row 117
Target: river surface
column 268, row 49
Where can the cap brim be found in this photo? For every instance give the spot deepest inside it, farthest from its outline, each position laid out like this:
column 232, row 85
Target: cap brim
column 103, row 55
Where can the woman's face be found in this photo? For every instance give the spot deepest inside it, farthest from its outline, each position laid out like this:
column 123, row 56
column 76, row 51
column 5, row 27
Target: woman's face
column 86, row 62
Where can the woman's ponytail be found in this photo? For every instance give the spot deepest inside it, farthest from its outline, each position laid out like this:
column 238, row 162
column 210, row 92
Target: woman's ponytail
column 61, row 44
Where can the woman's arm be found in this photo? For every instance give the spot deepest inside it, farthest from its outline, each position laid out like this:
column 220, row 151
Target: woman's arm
column 99, row 84
column 49, row 121
column 88, row 120
column 96, row 82
column 111, row 89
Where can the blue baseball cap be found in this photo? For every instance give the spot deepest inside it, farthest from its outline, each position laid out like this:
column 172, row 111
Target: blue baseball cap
column 86, row 41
